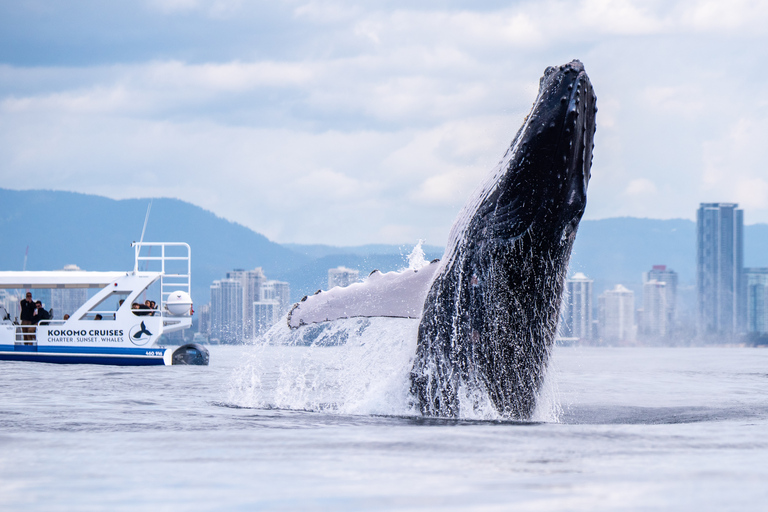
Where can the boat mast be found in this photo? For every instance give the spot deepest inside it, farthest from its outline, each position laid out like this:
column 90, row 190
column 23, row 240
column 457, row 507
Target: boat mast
column 146, row 219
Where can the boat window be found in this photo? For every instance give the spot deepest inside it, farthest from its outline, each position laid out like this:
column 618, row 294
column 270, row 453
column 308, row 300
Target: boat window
column 106, row 308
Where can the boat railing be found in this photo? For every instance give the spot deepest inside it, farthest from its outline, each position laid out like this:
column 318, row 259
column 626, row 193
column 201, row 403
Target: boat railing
column 26, row 335
column 174, row 262
column 105, row 315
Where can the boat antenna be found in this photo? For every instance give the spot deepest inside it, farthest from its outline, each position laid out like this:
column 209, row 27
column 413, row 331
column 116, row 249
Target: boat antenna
column 26, row 253
column 141, row 240
column 146, row 219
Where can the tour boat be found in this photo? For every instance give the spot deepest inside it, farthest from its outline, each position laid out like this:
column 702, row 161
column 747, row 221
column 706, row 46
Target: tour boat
column 105, row 329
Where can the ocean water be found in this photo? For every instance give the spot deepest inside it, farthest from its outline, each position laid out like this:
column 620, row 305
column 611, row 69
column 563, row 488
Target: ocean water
column 310, row 428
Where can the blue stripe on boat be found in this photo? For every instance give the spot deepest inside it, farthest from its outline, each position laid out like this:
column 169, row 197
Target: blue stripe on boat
column 83, row 355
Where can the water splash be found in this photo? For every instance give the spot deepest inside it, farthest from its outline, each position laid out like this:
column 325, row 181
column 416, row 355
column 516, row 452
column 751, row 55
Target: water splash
column 356, row 366
column 352, row 366
column 359, row 365
column 417, row 258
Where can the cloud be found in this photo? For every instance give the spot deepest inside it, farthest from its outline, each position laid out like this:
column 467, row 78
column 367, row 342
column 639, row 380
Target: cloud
column 640, row 187
column 683, row 100
column 341, row 122
column 213, row 8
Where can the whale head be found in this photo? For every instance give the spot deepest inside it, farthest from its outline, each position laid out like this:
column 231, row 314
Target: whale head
column 542, row 180
column 490, row 317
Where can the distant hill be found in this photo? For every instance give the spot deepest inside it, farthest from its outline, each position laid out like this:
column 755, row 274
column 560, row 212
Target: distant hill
column 320, row 251
column 95, row 233
column 619, row 250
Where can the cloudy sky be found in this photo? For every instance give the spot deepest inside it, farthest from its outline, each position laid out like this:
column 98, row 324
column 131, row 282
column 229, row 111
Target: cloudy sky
column 348, row 122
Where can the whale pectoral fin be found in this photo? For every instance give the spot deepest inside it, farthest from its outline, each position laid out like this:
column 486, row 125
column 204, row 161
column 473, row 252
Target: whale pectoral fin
column 392, row 295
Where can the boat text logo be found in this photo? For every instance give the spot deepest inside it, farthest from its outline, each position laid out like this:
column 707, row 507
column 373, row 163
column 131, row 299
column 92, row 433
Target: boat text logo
column 139, row 334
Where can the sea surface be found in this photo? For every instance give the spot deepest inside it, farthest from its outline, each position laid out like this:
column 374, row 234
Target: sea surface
column 276, row 428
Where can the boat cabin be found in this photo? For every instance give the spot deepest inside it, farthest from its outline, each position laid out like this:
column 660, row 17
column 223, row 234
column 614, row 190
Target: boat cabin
column 105, row 329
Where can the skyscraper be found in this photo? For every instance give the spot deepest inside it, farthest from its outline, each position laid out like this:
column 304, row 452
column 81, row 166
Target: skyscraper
column 719, row 269
column 251, row 282
column 617, row 314
column 757, row 299
column 654, row 320
column 265, row 314
column 227, row 311
column 274, row 301
column 278, row 291
column 342, row 276
column 577, row 317
column 204, row 319
column 666, row 284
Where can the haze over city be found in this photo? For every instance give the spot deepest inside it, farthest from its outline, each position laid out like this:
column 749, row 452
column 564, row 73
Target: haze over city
column 332, row 122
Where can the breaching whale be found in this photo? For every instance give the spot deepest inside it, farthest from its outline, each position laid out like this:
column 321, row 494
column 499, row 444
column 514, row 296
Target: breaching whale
column 491, row 314
column 487, row 312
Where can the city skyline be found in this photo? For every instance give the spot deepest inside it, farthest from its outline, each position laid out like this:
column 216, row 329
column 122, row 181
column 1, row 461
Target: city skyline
column 731, row 299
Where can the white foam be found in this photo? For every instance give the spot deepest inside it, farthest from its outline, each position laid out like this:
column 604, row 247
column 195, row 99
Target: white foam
column 369, row 373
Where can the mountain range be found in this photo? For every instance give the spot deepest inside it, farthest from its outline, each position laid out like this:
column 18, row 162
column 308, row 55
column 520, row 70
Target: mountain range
column 49, row 229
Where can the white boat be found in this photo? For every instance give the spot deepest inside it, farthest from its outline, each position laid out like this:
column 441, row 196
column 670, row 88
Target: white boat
column 105, row 329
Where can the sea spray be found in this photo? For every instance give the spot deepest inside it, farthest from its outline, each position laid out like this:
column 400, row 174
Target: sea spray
column 357, row 365
column 366, row 373
column 417, row 258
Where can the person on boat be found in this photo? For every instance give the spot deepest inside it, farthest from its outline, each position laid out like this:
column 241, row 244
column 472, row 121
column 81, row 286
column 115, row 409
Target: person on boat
column 97, row 317
column 40, row 313
column 152, row 305
column 135, row 307
column 27, row 315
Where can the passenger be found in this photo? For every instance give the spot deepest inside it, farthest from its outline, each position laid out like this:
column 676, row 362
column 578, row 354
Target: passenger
column 66, row 317
column 152, row 305
column 97, row 317
column 136, row 306
column 40, row 313
column 27, row 315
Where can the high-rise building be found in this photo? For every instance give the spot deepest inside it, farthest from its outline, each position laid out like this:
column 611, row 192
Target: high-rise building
column 577, row 315
column 65, row 301
column 204, row 319
column 227, row 311
column 655, row 313
column 251, row 282
column 617, row 314
column 342, row 276
column 265, row 313
column 719, row 269
column 258, row 306
column 757, row 299
column 667, row 276
column 278, row 291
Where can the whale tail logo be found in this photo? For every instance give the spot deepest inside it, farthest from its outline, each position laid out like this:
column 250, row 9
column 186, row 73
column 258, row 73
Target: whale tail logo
column 142, row 332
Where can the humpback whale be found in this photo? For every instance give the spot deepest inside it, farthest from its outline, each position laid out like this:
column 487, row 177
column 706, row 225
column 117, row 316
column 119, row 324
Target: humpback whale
column 491, row 314
column 488, row 310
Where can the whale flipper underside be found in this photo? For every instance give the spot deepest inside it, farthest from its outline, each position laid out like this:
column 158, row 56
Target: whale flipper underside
column 490, row 317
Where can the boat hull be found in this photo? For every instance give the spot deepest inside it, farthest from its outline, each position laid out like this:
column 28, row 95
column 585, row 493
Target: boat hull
column 85, row 355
